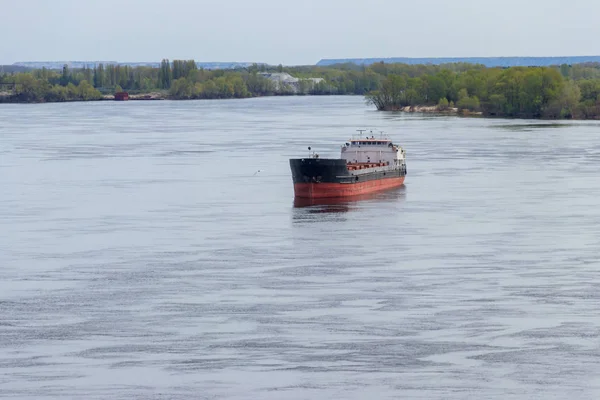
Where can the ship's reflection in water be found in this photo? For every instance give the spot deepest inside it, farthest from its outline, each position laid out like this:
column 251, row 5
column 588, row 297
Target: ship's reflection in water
column 305, row 208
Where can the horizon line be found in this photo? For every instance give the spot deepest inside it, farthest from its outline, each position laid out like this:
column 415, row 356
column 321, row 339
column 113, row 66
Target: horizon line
column 98, row 61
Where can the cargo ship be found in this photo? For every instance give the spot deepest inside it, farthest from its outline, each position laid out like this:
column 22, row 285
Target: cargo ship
column 366, row 165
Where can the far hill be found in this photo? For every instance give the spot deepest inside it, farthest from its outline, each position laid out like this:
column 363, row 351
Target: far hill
column 58, row 65
column 487, row 61
column 12, row 69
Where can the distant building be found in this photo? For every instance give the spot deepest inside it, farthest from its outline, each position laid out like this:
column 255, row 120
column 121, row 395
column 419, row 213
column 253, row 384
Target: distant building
column 284, row 80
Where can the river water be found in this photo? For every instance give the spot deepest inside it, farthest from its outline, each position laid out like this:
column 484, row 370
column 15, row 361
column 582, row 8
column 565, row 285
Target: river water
column 142, row 255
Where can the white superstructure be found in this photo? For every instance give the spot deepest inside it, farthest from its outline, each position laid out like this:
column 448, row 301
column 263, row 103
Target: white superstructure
column 373, row 150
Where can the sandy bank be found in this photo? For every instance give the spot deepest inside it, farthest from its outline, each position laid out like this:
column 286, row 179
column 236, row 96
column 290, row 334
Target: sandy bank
column 433, row 110
column 140, row 96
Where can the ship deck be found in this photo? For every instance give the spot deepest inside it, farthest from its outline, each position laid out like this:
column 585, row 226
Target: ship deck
column 357, row 166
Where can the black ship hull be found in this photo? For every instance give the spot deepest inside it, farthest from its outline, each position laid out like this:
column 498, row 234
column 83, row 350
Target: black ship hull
column 322, row 177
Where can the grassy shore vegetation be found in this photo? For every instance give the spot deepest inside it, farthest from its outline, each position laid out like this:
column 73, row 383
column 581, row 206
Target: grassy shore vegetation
column 180, row 79
column 523, row 92
column 562, row 92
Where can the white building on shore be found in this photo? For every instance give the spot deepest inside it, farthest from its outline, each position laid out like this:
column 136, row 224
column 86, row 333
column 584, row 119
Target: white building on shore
column 283, row 80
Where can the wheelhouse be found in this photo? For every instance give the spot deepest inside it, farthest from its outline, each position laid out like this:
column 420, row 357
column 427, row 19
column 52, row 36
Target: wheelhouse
column 369, row 142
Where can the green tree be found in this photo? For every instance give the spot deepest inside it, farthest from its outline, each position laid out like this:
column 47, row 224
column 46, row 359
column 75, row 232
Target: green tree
column 496, row 105
column 99, row 76
column 165, row 75
column 30, row 89
column 463, row 94
column 566, row 105
column 590, row 89
column 435, row 88
column 85, row 91
column 240, row 90
column 182, row 88
column 469, row 103
column 443, row 104
column 87, row 74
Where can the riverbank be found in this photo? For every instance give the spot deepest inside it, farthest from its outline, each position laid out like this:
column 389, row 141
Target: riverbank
column 10, row 98
column 141, row 96
column 434, row 110
column 529, row 93
column 154, row 95
column 560, row 92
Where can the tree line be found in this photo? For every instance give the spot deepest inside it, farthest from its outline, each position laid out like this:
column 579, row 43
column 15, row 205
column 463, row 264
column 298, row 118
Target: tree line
column 521, row 92
column 524, row 92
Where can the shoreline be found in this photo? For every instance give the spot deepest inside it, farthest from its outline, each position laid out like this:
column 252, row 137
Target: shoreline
column 454, row 111
column 562, row 92
column 150, row 96
column 139, row 96
column 9, row 99
column 433, row 110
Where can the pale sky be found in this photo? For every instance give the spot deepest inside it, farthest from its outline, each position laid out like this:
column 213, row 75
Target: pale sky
column 294, row 32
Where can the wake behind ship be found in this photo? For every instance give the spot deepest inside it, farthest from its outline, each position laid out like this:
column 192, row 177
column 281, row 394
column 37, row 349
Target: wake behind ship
column 366, row 165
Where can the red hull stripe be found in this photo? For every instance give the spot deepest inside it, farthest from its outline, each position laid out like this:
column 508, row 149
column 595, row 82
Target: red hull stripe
column 323, row 190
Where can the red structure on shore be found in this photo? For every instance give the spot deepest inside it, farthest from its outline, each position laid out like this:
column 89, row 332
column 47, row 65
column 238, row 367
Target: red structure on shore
column 121, row 96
